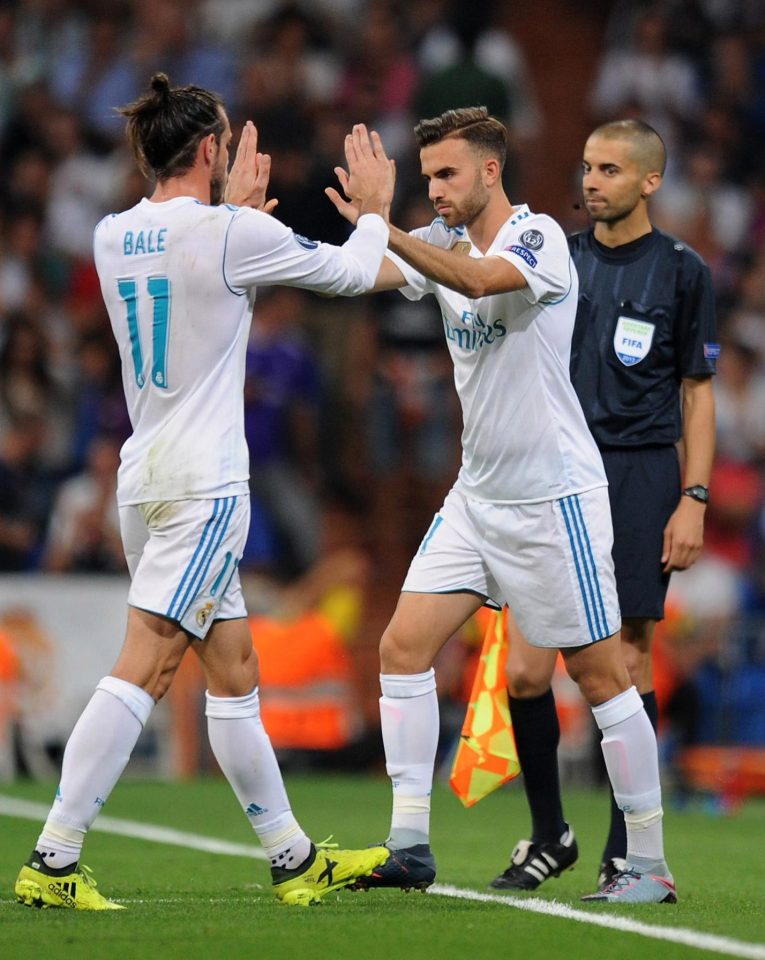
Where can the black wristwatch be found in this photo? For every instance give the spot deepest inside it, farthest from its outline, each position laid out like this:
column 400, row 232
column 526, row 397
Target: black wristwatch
column 697, row 492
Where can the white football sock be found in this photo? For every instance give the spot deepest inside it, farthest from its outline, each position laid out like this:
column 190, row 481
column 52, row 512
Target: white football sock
column 246, row 757
column 95, row 756
column 410, row 726
column 632, row 760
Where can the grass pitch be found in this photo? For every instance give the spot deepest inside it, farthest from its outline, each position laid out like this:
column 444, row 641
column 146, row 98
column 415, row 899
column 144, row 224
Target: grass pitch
column 205, row 906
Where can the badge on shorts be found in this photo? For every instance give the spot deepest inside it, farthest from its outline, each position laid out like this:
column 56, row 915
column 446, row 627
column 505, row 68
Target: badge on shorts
column 632, row 340
column 203, row 614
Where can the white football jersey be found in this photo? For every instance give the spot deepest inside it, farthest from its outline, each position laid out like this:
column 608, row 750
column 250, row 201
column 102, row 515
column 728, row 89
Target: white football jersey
column 525, row 438
column 178, row 279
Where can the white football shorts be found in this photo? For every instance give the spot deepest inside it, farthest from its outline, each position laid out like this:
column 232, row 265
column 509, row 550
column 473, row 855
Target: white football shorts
column 550, row 562
column 183, row 557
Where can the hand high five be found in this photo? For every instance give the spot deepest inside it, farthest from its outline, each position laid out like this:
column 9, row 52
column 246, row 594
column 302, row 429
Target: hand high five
column 248, row 179
column 369, row 181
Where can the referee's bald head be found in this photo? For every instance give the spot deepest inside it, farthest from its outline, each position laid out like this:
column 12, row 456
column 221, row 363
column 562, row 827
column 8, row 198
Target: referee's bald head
column 647, row 147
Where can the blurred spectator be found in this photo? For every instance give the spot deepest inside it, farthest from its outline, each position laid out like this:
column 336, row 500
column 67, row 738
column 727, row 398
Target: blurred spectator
column 747, row 320
column 84, row 531
column 281, row 393
column 740, row 402
column 381, row 77
column 95, row 76
column 450, row 36
column 293, row 62
column 701, row 207
column 736, row 492
column 22, row 256
column 167, row 37
column 645, row 77
column 23, row 493
column 29, row 389
column 83, row 187
column 100, row 403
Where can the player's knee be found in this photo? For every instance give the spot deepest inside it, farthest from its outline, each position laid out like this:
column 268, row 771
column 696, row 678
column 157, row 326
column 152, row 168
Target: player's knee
column 526, row 680
column 640, row 669
column 231, row 674
column 598, row 686
column 399, row 654
column 636, row 639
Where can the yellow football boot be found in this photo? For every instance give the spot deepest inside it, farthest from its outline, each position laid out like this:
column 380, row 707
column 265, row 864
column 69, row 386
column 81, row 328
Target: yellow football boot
column 324, row 870
column 71, row 887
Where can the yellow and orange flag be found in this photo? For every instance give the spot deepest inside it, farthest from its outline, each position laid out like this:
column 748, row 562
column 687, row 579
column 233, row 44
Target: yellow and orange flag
column 486, row 756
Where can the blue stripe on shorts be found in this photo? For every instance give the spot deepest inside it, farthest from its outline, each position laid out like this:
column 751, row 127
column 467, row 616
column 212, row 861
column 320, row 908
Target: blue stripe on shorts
column 584, row 563
column 195, row 572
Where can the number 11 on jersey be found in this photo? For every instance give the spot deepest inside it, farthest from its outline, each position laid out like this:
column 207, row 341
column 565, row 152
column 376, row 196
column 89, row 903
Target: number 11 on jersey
column 158, row 289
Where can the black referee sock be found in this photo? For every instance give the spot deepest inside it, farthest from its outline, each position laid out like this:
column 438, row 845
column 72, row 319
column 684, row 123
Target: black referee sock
column 537, row 733
column 616, row 844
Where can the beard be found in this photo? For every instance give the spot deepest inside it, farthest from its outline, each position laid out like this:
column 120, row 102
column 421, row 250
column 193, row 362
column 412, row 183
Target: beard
column 217, row 188
column 470, row 208
column 606, row 213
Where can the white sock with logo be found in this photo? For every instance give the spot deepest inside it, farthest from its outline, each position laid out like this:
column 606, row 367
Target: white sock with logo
column 245, row 755
column 410, row 726
column 95, row 756
column 632, row 760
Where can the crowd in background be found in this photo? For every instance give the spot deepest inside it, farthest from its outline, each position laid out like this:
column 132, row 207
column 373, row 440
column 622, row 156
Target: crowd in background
column 349, row 405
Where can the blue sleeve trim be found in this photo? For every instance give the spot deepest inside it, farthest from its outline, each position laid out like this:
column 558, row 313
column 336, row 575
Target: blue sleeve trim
column 553, row 303
column 223, row 262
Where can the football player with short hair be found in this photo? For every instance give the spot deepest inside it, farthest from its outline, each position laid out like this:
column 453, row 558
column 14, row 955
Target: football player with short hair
column 642, row 361
column 527, row 522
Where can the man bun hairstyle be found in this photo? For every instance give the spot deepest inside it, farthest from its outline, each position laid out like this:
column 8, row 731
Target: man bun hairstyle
column 648, row 149
column 166, row 125
column 473, row 124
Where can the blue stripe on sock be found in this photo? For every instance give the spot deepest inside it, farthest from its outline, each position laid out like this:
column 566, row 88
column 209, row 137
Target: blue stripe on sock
column 190, row 568
column 578, row 568
column 594, row 569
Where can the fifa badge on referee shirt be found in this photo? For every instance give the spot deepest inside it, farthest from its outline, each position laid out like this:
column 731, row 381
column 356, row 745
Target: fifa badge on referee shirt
column 632, row 340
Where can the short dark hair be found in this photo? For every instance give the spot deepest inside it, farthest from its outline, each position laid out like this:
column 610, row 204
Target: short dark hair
column 473, row 124
column 649, row 150
column 166, row 125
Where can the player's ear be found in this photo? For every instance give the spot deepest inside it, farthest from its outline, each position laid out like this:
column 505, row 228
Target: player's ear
column 208, row 149
column 492, row 171
column 651, row 183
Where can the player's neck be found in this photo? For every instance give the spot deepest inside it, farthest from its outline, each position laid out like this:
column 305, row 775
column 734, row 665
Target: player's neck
column 190, row 184
column 487, row 224
column 619, row 232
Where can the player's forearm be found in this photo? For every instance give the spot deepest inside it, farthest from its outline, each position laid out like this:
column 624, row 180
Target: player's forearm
column 698, row 431
column 452, row 270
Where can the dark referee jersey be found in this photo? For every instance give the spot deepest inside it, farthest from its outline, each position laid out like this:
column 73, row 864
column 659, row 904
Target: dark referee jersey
column 645, row 320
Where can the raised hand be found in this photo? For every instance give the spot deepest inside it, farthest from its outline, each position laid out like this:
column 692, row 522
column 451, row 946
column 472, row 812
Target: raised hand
column 250, row 172
column 370, row 179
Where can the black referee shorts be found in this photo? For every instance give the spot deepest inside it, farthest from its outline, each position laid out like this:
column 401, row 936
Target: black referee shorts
column 644, row 490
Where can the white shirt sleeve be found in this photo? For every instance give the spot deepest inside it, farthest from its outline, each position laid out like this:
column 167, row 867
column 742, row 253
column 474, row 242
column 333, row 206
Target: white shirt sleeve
column 540, row 251
column 260, row 250
column 417, row 285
